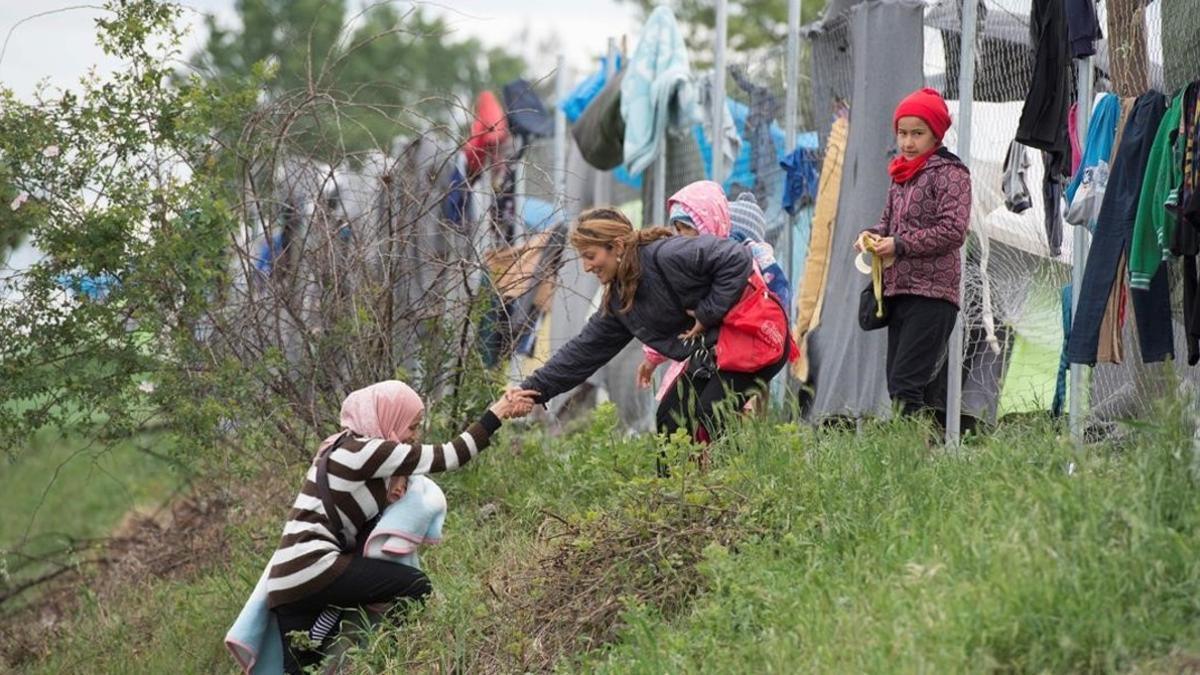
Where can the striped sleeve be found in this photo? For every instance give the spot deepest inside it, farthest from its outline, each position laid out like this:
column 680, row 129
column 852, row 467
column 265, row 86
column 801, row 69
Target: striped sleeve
column 380, row 459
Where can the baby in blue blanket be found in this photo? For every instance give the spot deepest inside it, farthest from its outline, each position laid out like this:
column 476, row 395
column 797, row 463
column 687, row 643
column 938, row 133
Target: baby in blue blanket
column 414, row 517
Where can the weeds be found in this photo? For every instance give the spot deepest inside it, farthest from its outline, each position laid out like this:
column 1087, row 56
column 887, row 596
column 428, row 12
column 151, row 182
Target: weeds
column 797, row 552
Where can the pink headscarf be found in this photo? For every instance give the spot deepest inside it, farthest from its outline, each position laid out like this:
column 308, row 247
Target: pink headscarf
column 382, row 410
column 705, row 202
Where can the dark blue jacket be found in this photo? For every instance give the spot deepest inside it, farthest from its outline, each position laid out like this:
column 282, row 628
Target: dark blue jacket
column 708, row 275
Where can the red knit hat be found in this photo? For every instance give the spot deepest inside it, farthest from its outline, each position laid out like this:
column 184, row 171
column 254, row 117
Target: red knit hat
column 927, row 104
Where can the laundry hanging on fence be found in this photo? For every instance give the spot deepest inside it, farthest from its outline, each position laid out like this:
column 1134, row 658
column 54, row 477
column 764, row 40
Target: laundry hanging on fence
column 1085, row 192
column 1111, row 348
column 1064, row 363
column 1012, row 181
column 816, row 267
column 743, row 174
column 1073, row 136
column 1083, row 27
column 730, row 141
column 600, row 131
column 1043, row 123
column 801, row 175
column 457, row 202
column 1186, row 242
column 1052, row 190
column 489, row 130
column 765, row 108
column 1113, row 231
column 527, row 116
column 1154, row 225
column 578, row 100
column 657, row 93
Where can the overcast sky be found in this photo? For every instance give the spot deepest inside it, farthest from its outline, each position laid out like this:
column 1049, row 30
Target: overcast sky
column 60, row 46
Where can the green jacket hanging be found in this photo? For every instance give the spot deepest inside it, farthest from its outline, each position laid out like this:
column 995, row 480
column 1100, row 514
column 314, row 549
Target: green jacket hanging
column 1154, row 225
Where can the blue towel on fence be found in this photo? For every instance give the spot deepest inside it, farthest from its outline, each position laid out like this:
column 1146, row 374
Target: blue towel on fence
column 657, row 91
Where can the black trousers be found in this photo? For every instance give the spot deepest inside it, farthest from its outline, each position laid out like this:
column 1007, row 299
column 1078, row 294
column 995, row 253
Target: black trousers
column 918, row 335
column 365, row 581
column 695, row 400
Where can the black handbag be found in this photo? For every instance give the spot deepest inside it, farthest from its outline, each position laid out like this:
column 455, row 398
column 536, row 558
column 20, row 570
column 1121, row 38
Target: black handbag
column 871, row 313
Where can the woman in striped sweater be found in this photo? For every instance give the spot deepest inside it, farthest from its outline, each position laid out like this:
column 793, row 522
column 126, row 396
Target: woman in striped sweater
column 311, row 570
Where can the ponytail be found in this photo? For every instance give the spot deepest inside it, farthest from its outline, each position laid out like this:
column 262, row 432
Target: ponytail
column 603, row 227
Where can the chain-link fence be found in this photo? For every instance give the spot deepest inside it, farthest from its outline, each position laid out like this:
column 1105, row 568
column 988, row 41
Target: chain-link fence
column 1020, row 256
column 1020, row 261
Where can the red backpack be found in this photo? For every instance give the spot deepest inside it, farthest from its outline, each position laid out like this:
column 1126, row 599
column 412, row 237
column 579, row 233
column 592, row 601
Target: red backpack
column 754, row 332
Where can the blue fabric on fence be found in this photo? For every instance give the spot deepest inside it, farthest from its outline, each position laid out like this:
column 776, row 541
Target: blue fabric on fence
column 1064, row 364
column 802, row 174
column 539, row 215
column 455, row 204
column 578, row 99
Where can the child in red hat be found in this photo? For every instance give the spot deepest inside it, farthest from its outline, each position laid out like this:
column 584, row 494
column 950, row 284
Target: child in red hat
column 920, row 234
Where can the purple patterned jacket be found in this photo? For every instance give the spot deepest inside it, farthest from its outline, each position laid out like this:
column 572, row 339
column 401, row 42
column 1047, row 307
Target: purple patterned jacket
column 928, row 217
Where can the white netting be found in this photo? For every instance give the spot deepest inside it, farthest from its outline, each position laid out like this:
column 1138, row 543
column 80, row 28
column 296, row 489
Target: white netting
column 1017, row 267
column 1023, row 278
column 1019, row 339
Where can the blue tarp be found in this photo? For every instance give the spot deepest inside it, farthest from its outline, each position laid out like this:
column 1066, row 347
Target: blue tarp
column 93, row 287
column 539, row 215
column 577, row 101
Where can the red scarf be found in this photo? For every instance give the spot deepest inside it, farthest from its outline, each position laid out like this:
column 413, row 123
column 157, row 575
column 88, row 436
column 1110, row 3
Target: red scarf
column 902, row 169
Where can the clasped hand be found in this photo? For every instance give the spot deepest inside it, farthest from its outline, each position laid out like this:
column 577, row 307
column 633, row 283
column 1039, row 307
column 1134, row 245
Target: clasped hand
column 514, row 403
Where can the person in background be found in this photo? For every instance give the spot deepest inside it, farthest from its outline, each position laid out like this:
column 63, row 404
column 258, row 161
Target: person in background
column 701, row 208
column 923, row 227
column 749, row 227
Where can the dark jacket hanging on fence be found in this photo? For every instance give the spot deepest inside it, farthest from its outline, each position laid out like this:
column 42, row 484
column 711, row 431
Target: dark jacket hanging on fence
column 1083, row 27
column 1113, row 231
column 1043, row 123
column 1186, row 240
column 600, row 131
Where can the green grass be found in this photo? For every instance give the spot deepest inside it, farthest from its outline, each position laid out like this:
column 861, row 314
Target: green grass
column 866, row 553
column 58, row 491
column 70, row 486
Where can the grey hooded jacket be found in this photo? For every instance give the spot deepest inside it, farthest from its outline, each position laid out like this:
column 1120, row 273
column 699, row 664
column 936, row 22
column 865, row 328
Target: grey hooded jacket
column 706, row 273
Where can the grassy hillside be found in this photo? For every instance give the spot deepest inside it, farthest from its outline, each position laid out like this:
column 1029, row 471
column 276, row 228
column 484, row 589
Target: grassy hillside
column 796, row 553
column 58, row 490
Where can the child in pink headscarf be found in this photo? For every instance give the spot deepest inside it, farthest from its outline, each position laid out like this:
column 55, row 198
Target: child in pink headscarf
column 314, row 567
column 698, row 208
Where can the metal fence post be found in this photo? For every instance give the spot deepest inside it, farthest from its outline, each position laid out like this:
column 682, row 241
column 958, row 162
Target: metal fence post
column 560, row 133
column 718, row 92
column 1077, row 393
column 791, row 122
column 966, row 97
column 791, row 128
